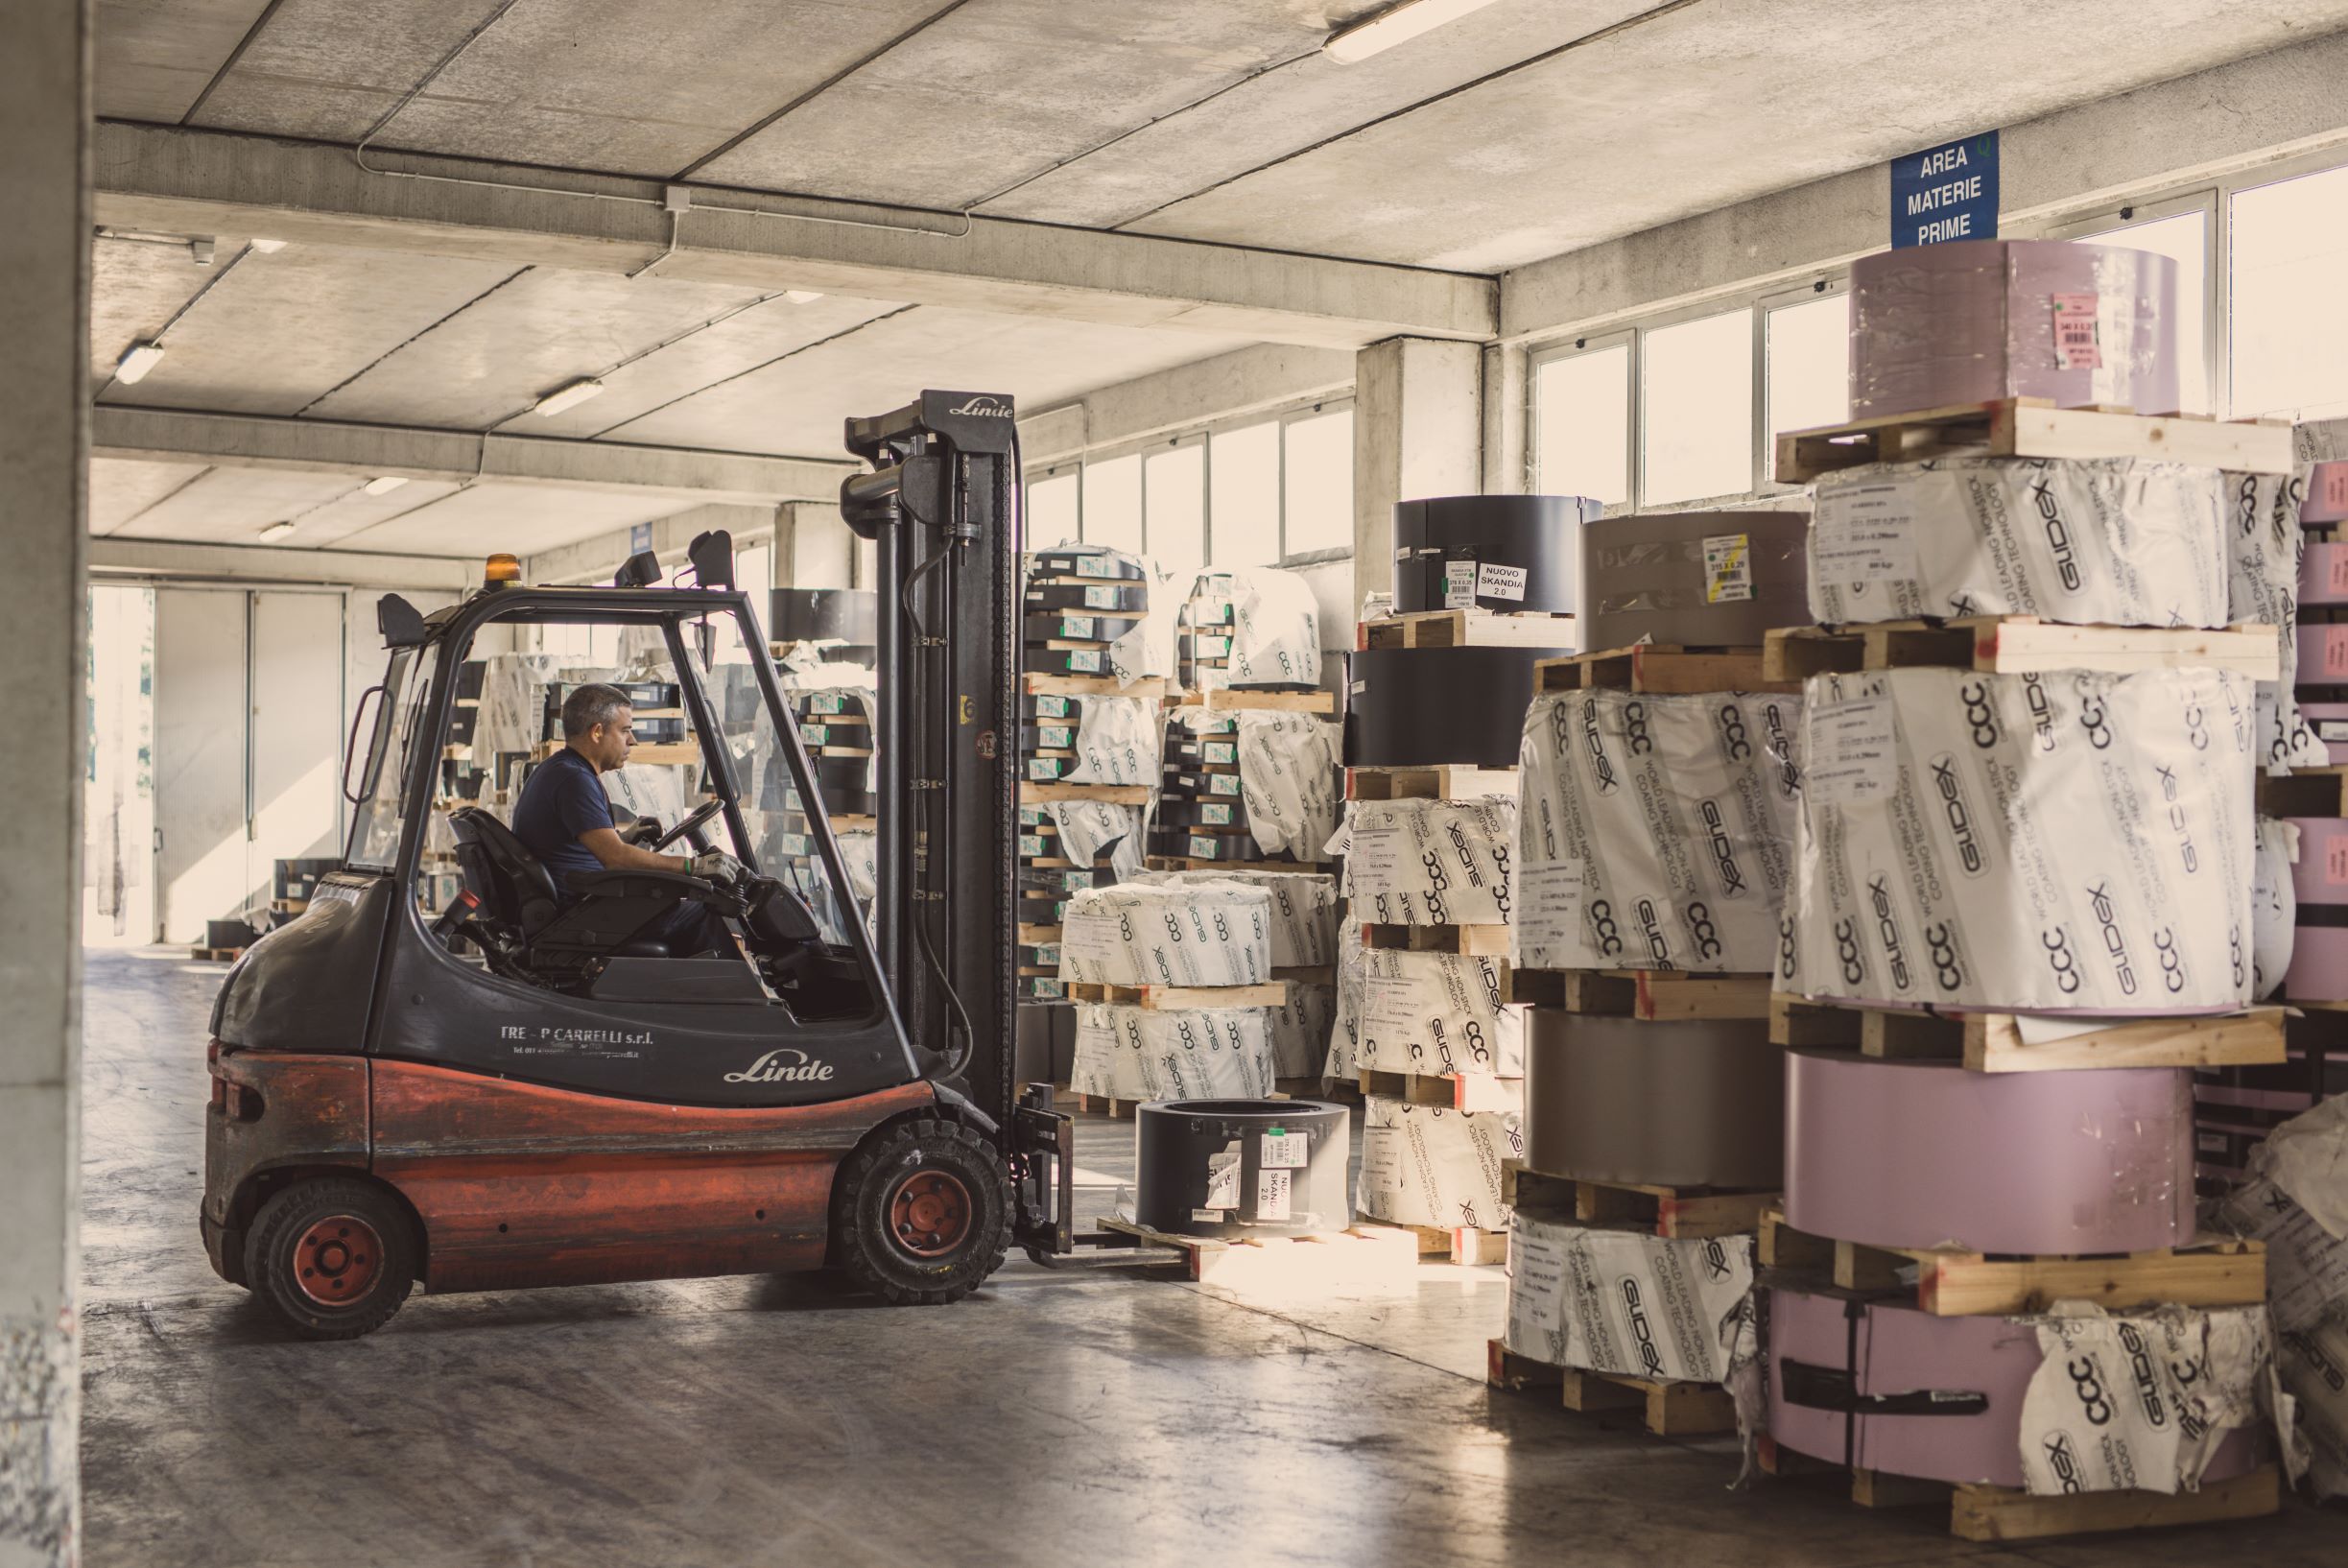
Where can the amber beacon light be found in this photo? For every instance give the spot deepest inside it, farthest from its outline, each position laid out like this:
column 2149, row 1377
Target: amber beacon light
column 502, row 570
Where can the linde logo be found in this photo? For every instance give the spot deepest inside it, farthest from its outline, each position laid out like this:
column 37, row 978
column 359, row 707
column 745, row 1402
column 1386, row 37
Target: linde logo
column 2139, row 1370
column 2042, row 711
column 1888, row 931
column 2059, row 537
column 1958, row 812
column 1723, row 852
column 783, row 1067
column 2064, row 1462
column 1978, row 714
column 2114, row 943
column 1734, row 742
column 982, row 407
column 1596, row 745
column 1653, row 924
column 1639, row 1329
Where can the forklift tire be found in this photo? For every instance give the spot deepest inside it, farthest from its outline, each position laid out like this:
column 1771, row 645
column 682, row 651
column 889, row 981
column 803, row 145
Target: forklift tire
column 332, row 1258
column 922, row 1214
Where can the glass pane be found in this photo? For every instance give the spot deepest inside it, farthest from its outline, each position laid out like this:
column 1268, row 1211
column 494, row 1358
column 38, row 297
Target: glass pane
column 1243, row 496
column 1176, row 479
column 374, row 824
column 1318, row 483
column 1113, row 502
column 754, row 574
column 1581, row 442
column 1695, row 409
column 1051, row 510
column 2291, row 337
column 2184, row 239
column 1810, row 364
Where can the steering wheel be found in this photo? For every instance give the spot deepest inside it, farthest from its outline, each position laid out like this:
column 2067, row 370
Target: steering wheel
column 692, row 823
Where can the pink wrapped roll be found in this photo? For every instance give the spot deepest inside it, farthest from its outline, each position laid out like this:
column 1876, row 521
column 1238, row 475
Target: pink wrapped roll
column 2327, row 497
column 2323, row 574
column 2323, row 654
column 2319, row 947
column 1966, row 322
column 1923, row 1154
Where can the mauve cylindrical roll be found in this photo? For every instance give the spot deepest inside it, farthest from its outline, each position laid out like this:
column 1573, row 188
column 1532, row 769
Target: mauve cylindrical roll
column 2323, row 654
column 2327, row 494
column 2318, row 969
column 1414, row 707
column 1922, row 1153
column 1513, row 554
column 1682, row 1103
column 2323, row 572
column 1979, row 1367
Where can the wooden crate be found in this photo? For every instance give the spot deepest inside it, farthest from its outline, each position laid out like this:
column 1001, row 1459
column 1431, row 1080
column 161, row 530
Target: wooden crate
column 1992, row 1042
column 1668, row 1410
column 1041, row 793
column 1450, row 1091
column 1465, row 628
column 1675, row 1213
column 1036, row 683
column 1271, row 993
column 2015, row 645
column 1662, row 669
column 1226, row 701
column 2033, row 427
column 1952, row 1282
column 1444, row 783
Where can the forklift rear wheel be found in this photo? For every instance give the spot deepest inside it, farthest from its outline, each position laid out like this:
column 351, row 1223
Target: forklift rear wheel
column 922, row 1214
column 333, row 1258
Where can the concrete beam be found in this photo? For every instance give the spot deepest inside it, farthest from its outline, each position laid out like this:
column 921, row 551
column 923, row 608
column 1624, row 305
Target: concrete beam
column 265, row 564
column 1243, row 382
column 1417, row 432
column 202, row 181
column 241, row 441
column 599, row 557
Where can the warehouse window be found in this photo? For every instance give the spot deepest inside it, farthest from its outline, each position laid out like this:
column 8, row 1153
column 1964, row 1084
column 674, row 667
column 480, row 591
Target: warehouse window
column 1052, row 507
column 2183, row 237
column 1175, row 506
column 1112, row 512
column 1317, row 484
column 1807, row 379
column 1696, row 409
column 1244, row 495
column 2290, row 349
column 1582, row 422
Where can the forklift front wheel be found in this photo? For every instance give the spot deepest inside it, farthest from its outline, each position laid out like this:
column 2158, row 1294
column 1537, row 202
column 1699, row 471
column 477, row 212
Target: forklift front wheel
column 922, row 1214
column 332, row 1258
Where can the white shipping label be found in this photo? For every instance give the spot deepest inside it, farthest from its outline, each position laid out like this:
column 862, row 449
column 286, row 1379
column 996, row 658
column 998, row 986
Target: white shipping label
column 1865, row 533
column 1458, row 585
column 1084, row 659
column 1222, row 1173
column 1856, row 756
column 1286, row 1150
column 1549, row 902
column 1377, row 854
column 1272, row 1194
column 1494, row 580
column 1091, row 937
column 1101, row 598
column 1096, row 566
column 1728, row 568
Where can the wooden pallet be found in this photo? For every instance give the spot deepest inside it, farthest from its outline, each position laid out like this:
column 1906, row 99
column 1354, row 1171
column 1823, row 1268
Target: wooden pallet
column 1178, row 998
column 1044, row 793
column 215, row 955
column 1037, row 684
column 1450, row 782
column 1677, row 1213
column 1357, row 1257
column 2305, row 792
column 1451, row 1091
column 288, row 906
column 1660, row 994
column 1224, row 700
column 1191, row 863
column 1952, row 1282
column 1461, row 1244
column 2015, row 645
column 1465, row 628
column 1476, row 941
column 2033, row 427
column 1668, row 1410
column 1660, row 668
column 1993, row 1042
column 1102, row 1104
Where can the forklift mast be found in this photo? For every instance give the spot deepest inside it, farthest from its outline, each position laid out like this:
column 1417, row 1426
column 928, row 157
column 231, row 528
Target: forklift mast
column 943, row 507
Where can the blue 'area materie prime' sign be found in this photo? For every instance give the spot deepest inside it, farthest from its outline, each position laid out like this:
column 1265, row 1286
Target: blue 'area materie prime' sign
column 1947, row 192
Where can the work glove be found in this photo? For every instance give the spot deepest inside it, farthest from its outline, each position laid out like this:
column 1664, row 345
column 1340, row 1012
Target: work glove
column 717, row 866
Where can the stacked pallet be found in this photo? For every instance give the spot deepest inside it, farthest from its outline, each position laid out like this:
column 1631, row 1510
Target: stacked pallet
column 1652, row 853
column 2019, row 915
column 1248, row 782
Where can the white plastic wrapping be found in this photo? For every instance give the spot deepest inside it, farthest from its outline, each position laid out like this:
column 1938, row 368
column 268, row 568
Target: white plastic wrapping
column 2071, row 841
column 1086, row 827
column 819, row 703
column 1656, row 831
column 1436, row 1013
column 1287, row 774
column 2109, row 541
column 2138, row 1400
column 1202, row 933
column 1634, row 1305
column 1275, row 629
column 512, row 703
column 1344, row 1060
column 2264, row 546
column 1423, row 1165
column 1411, row 863
column 1128, row 1053
column 1304, row 932
column 2274, row 904
column 1118, row 739
column 1300, row 1029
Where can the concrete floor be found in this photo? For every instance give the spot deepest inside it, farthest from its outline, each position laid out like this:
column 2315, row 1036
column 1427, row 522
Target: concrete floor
column 1048, row 1420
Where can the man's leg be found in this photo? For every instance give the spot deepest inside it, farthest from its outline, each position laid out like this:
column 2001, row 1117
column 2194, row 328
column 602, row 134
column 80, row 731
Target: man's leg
column 694, row 929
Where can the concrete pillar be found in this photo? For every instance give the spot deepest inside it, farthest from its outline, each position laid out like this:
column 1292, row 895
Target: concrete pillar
column 815, row 548
column 1506, row 438
column 45, row 468
column 1417, row 431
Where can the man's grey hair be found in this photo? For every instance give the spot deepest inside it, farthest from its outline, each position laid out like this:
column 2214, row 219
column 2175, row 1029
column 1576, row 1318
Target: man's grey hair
column 591, row 705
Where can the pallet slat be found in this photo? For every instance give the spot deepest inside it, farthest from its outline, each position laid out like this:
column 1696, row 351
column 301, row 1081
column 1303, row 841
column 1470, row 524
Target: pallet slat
column 1674, row 1213
column 1993, row 1042
column 2030, row 427
column 2013, row 645
column 1271, row 993
column 1449, row 1091
column 1465, row 628
column 1661, row 668
column 1668, row 1410
column 1442, row 783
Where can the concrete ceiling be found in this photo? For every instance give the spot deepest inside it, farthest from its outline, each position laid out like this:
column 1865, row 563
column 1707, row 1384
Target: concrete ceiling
column 1529, row 128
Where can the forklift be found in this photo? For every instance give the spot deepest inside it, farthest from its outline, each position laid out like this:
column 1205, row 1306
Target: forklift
column 523, row 1087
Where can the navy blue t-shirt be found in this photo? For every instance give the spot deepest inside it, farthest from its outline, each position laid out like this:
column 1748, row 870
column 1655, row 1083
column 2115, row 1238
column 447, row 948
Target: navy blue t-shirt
column 563, row 799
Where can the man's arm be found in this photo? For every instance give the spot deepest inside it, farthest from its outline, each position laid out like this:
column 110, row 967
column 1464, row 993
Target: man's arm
column 605, row 845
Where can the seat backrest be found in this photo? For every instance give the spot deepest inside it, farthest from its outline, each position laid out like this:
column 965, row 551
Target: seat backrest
column 502, row 873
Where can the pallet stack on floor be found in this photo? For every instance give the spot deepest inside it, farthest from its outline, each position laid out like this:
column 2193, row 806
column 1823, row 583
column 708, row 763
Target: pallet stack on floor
column 1434, row 1029
column 2019, row 917
column 1653, row 848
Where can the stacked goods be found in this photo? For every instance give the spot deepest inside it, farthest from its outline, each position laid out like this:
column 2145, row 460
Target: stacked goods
column 2019, row 915
column 1653, row 850
column 838, row 623
column 1304, row 950
column 1248, row 778
column 1512, row 555
column 1255, row 629
column 1083, row 611
column 1174, row 984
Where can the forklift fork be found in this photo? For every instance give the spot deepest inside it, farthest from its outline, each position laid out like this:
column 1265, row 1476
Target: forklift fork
column 1043, row 1170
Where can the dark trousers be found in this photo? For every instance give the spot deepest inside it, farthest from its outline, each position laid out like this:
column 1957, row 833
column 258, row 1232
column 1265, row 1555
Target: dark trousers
column 692, row 931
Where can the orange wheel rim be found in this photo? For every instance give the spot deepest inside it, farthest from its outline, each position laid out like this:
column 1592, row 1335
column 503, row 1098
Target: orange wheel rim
column 337, row 1260
column 929, row 1214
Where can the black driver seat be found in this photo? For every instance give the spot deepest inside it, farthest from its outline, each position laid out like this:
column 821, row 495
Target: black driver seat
column 608, row 918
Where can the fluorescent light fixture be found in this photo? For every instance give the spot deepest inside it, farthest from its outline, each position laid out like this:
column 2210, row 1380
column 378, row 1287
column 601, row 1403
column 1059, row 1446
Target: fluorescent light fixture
column 268, row 247
column 568, row 396
column 275, row 532
column 136, row 361
column 1396, row 24
column 384, row 485
column 802, row 296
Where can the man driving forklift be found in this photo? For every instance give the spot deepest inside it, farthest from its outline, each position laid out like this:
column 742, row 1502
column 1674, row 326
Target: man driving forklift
column 565, row 819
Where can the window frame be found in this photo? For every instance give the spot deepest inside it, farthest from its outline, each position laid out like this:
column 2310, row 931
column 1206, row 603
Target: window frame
column 1576, row 348
column 2216, row 246
column 1764, row 439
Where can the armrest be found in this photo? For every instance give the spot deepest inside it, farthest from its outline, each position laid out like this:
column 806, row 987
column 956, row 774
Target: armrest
column 626, row 883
